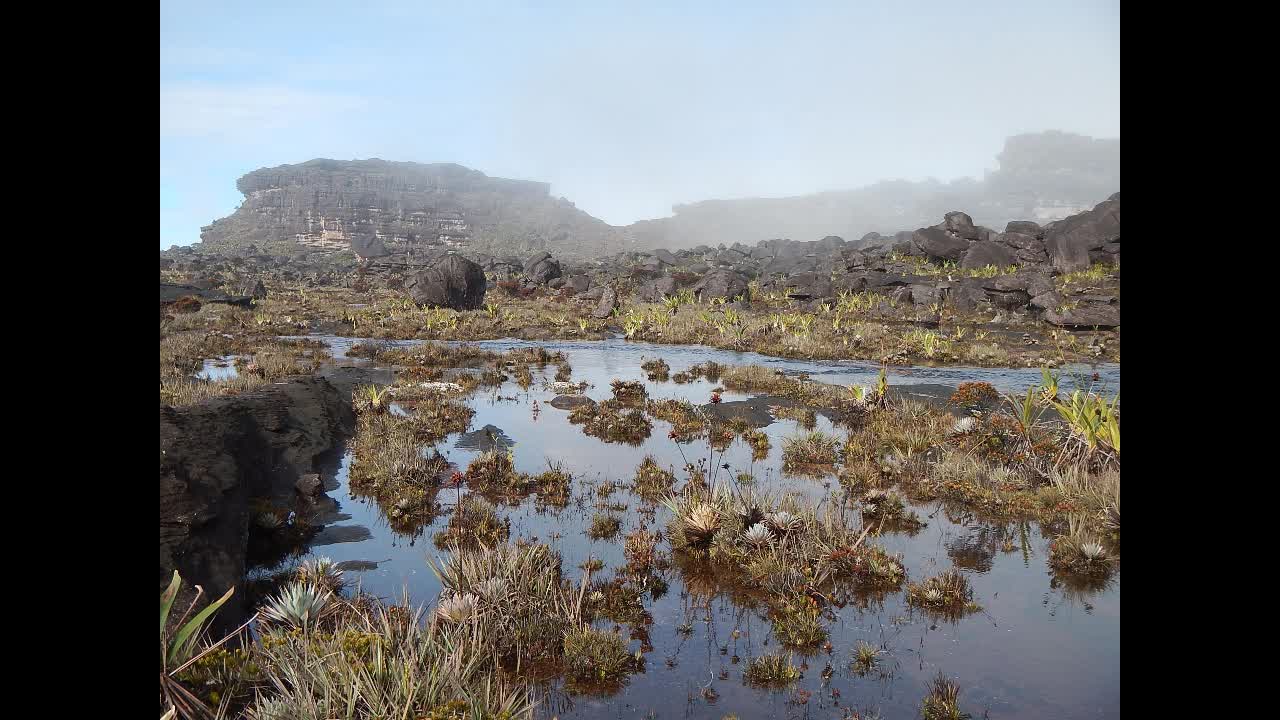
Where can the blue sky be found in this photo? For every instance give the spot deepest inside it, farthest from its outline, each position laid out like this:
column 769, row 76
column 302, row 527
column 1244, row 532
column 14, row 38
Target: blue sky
column 625, row 108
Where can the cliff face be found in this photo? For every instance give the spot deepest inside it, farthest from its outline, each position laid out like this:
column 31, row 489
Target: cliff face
column 377, row 208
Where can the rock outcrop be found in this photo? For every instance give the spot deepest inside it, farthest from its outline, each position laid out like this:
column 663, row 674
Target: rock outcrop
column 223, row 458
column 452, row 282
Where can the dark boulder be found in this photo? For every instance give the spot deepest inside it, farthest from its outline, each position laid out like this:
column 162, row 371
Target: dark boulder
column 986, row 252
column 453, row 282
column 666, row 257
column 1085, row 315
column 937, row 244
column 608, row 303
column 368, row 246
column 542, row 268
column 1025, row 227
column 725, row 284
column 656, row 290
column 579, row 283
column 569, row 402
column 961, row 225
column 1069, row 241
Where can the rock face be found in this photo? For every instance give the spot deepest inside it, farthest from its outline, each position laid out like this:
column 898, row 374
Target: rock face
column 1076, row 241
column 222, row 456
column 453, row 282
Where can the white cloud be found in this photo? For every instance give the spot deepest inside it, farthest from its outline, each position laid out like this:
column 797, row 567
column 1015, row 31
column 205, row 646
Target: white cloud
column 194, row 110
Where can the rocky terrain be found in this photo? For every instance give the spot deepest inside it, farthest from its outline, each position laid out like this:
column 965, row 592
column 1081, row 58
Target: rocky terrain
column 954, row 263
column 328, row 211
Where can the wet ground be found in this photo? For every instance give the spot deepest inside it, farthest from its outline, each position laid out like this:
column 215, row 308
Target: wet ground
column 1037, row 650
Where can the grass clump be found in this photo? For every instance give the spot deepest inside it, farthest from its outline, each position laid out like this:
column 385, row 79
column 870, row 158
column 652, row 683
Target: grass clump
column 376, row 661
column 474, row 521
column 652, row 482
column 815, row 448
column 948, row 593
column 629, row 393
column 610, row 423
column 1080, row 553
column 604, row 527
column 943, row 701
column 656, row 369
column 597, row 657
column 865, row 657
column 771, row 671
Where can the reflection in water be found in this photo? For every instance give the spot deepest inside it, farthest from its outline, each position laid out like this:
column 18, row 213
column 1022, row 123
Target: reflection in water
column 1043, row 646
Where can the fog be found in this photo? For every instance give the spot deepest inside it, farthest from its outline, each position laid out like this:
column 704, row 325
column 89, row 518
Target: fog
column 626, row 109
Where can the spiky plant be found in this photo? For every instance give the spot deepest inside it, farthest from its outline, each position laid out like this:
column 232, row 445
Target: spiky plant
column 757, row 537
column 300, row 605
column 456, row 609
column 865, row 657
column 701, row 524
column 783, row 522
column 322, row 572
column 943, row 701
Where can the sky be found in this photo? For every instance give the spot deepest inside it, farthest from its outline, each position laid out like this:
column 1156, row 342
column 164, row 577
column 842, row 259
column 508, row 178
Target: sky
column 625, row 108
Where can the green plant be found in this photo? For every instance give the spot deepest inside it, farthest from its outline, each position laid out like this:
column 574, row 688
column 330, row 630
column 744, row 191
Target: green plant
column 1092, row 418
column 943, row 701
column 298, row 605
column 771, row 671
column 177, row 649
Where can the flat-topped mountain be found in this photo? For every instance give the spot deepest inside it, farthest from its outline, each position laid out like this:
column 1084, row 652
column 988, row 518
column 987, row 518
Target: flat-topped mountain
column 375, row 207
column 408, row 211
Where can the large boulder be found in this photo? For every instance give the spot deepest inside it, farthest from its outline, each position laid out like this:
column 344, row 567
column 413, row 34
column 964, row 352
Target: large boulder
column 656, row 290
column 721, row 283
column 608, row 303
column 987, row 252
column 1026, row 247
column 579, row 283
column 1071, row 240
column 368, row 246
column 453, row 282
column 961, row 225
column 937, row 244
column 542, row 268
column 1085, row 315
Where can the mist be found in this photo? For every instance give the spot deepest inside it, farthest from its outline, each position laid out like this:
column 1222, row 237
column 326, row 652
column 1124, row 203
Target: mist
column 626, row 110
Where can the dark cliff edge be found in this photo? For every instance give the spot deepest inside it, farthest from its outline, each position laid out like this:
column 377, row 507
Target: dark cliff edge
column 223, row 460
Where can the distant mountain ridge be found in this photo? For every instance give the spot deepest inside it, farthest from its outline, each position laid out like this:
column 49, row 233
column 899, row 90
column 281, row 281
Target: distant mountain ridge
column 378, row 208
